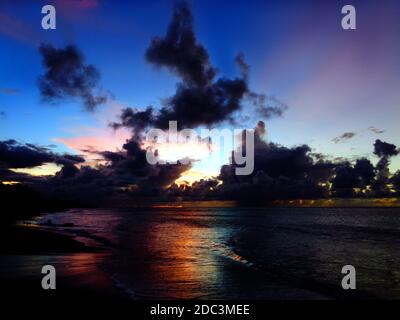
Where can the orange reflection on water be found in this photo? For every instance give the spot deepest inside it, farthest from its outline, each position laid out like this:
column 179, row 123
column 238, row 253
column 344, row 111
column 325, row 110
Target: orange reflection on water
column 186, row 267
column 163, row 206
column 83, row 269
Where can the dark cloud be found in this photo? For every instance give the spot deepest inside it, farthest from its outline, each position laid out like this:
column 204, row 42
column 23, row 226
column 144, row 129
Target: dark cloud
column 125, row 172
column 344, row 137
column 270, row 112
column 349, row 179
column 395, row 180
column 68, row 170
column 344, row 181
column 68, row 159
column 134, row 163
column 8, row 175
column 110, row 156
column 279, row 173
column 180, row 51
column 365, row 172
column 294, row 173
column 16, row 155
column 194, row 106
column 267, row 107
column 68, row 163
column 200, row 98
column 384, row 149
column 86, row 185
column 67, row 76
column 138, row 121
column 242, row 64
column 203, row 189
column 190, row 107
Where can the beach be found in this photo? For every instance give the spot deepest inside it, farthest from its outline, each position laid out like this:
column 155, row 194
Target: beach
column 25, row 250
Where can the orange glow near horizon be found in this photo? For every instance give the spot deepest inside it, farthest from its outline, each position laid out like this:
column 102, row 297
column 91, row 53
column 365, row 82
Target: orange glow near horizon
column 47, row 169
column 167, row 206
column 191, row 176
column 173, row 151
column 10, row 183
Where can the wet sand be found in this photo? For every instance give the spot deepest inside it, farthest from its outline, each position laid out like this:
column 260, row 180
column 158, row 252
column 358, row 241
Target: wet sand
column 24, row 251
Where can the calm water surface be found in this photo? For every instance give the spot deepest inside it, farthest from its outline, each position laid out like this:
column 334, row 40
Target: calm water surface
column 243, row 253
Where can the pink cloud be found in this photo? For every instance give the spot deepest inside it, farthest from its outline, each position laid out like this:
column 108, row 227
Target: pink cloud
column 100, row 140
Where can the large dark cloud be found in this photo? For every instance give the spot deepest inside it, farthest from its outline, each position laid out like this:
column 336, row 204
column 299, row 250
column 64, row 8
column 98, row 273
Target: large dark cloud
column 279, row 173
column 125, row 173
column 26, row 155
column 86, row 185
column 348, row 177
column 132, row 162
column 68, row 76
column 190, row 106
column 297, row 173
column 180, row 51
column 16, row 155
column 200, row 98
column 363, row 174
column 209, row 105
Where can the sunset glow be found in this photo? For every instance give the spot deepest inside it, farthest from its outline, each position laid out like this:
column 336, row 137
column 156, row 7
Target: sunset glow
column 190, row 176
column 47, row 169
column 199, row 158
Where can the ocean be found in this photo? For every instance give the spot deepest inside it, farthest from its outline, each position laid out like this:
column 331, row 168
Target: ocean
column 241, row 253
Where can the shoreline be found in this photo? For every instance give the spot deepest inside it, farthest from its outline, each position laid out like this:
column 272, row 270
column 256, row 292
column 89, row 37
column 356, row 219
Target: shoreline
column 34, row 240
column 79, row 276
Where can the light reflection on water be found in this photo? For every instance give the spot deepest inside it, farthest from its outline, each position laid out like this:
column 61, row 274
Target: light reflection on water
column 244, row 253
column 185, row 268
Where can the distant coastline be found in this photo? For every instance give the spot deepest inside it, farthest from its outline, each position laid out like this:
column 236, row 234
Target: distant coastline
column 294, row 203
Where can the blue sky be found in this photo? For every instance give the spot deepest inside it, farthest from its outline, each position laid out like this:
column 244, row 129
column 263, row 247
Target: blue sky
column 334, row 81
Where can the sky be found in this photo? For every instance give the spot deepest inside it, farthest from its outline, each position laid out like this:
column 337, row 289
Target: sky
column 334, row 81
